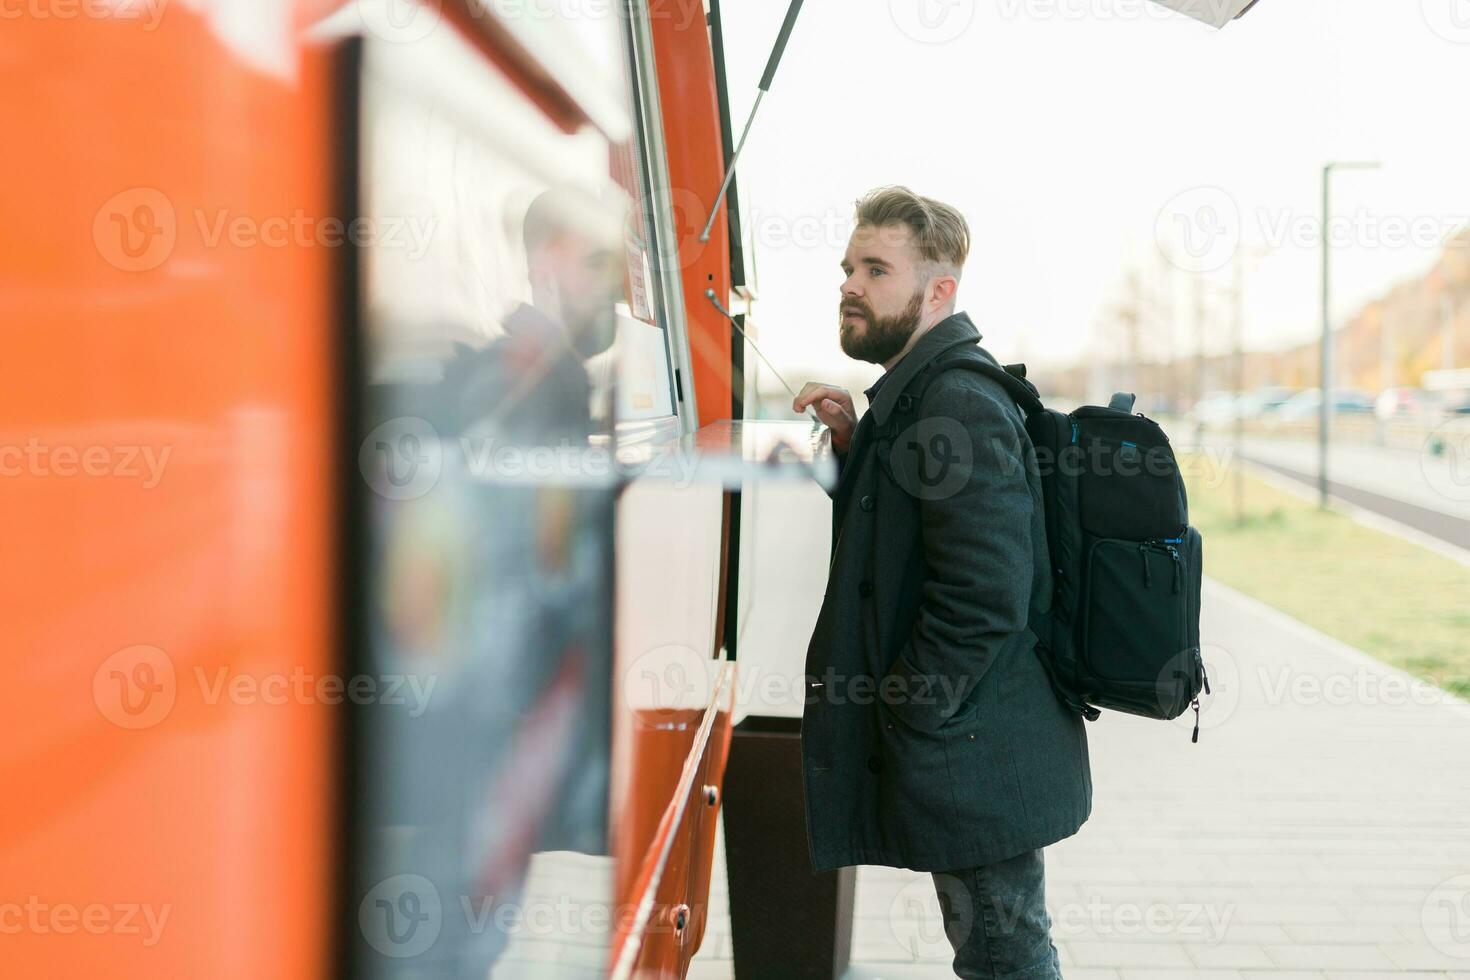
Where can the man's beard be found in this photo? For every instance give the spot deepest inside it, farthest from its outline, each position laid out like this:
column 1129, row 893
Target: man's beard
column 883, row 337
column 593, row 332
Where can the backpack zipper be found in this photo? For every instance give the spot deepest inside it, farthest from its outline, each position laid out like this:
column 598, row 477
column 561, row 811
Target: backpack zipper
column 1165, row 546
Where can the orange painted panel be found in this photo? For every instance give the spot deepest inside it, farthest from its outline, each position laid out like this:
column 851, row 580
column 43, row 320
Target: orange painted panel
column 166, row 437
column 696, row 162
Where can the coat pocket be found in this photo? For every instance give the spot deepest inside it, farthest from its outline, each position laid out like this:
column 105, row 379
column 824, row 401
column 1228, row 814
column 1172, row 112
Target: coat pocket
column 916, row 794
column 987, row 792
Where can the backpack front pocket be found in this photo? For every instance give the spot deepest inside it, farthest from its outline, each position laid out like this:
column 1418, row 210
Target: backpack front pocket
column 1135, row 637
column 1129, row 490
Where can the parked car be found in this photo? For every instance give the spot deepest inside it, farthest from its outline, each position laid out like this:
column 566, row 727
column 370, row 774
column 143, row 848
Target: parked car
column 1215, row 408
column 1405, row 403
column 1304, row 405
column 1254, row 404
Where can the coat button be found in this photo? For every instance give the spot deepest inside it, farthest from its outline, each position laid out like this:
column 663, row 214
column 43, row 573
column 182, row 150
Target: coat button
column 865, row 588
column 867, row 502
column 875, row 764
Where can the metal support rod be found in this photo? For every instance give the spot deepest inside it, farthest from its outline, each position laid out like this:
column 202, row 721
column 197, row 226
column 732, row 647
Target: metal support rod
column 1447, row 332
column 769, row 75
column 1324, row 384
column 713, row 298
column 1327, row 384
column 730, row 170
column 1237, row 332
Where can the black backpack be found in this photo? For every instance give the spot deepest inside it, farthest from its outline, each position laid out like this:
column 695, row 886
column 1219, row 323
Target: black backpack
column 1122, row 630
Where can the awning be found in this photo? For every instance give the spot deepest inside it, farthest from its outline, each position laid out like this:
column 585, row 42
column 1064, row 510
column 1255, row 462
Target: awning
column 1216, row 13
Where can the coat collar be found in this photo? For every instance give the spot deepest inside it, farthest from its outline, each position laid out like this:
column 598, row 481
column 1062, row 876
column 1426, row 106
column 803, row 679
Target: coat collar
column 947, row 334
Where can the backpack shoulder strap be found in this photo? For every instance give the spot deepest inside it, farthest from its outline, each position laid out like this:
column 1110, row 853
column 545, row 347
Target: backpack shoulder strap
column 1011, row 377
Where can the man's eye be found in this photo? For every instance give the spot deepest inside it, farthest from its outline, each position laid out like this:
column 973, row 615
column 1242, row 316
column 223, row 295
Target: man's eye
column 877, row 271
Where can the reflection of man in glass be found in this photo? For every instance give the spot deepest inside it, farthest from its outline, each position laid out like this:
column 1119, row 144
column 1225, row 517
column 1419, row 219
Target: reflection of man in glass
column 530, row 386
column 511, row 756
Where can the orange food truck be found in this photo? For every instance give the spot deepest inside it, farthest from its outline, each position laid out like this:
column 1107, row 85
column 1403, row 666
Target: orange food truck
column 375, row 478
column 372, row 513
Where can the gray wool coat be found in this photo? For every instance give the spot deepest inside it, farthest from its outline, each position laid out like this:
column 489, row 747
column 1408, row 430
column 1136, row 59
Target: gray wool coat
column 931, row 738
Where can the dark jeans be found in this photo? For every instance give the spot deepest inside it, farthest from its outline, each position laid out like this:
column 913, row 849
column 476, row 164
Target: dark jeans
column 995, row 918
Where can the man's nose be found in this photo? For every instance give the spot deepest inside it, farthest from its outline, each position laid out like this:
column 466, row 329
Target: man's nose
column 849, row 287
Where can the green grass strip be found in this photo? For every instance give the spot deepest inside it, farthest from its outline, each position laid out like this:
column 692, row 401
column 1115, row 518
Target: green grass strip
column 1400, row 602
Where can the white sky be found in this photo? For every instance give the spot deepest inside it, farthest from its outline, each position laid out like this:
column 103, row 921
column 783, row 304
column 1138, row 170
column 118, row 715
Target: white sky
column 1063, row 128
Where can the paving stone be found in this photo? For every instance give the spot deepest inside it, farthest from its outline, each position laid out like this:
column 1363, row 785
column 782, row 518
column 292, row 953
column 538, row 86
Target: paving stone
column 1297, row 840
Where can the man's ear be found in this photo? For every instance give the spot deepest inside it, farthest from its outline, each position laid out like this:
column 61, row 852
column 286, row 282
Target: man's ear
column 942, row 290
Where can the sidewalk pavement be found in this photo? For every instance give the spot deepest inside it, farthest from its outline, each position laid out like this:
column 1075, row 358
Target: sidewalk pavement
column 1319, row 830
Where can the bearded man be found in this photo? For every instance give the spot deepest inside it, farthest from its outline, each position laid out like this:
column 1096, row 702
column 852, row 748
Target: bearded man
column 931, row 737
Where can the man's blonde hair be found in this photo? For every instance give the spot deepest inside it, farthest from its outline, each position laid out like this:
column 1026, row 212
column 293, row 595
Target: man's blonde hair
column 940, row 232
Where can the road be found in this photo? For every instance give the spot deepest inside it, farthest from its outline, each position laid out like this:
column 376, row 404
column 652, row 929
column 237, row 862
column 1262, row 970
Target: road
column 1417, row 489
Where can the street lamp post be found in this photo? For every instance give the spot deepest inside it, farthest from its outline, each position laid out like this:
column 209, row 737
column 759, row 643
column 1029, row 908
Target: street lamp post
column 1324, row 411
column 1243, row 255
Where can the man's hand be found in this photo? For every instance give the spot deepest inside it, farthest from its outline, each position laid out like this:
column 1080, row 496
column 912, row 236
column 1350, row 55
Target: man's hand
column 833, row 406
